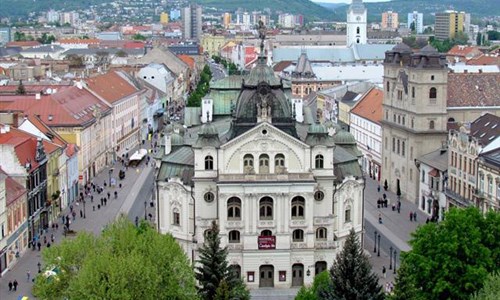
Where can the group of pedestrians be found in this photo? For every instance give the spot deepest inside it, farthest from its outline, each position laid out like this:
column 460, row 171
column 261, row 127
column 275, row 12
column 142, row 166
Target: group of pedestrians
column 413, row 216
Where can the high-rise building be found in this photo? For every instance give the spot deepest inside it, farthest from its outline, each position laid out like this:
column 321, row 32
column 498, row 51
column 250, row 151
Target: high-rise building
column 4, row 35
column 164, row 18
column 175, row 14
column 356, row 23
column 52, row 16
column 417, row 19
column 191, row 22
column 390, row 20
column 448, row 24
column 226, row 20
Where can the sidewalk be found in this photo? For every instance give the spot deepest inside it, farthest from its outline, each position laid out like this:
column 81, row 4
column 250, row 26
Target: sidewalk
column 96, row 219
column 395, row 226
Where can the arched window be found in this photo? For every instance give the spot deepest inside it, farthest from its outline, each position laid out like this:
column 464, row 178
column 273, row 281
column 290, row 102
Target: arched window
column 209, row 163
column 264, row 164
column 279, row 160
column 347, row 215
column 298, row 207
column 432, row 93
column 236, row 269
column 431, row 124
column 266, row 233
column 321, row 233
column 266, row 208
column 234, row 208
column 319, row 161
column 357, row 30
column 298, row 235
column 234, row 236
column 176, row 217
column 248, row 160
column 399, row 119
column 357, row 41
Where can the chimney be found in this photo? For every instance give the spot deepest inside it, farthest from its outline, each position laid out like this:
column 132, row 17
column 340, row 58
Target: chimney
column 168, row 144
column 466, row 71
column 37, row 96
column 480, row 71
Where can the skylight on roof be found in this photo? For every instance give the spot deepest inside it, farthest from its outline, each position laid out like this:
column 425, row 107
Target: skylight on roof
column 486, row 124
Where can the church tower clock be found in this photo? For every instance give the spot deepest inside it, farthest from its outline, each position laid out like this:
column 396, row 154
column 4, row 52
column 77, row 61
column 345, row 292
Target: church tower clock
column 356, row 23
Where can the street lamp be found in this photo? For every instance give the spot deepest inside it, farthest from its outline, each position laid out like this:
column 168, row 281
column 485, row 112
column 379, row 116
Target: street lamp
column 145, row 208
column 395, row 253
column 378, row 253
column 375, row 242
column 390, row 258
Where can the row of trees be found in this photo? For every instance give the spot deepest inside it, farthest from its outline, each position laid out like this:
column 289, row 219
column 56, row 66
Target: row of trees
column 44, row 39
column 453, row 259
column 194, row 99
column 135, row 262
column 231, row 68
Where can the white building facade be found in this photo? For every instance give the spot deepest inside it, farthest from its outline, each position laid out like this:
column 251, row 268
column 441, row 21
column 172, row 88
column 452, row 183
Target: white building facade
column 284, row 202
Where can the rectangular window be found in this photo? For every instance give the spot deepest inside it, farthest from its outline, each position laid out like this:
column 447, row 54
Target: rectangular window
column 393, row 144
column 423, row 176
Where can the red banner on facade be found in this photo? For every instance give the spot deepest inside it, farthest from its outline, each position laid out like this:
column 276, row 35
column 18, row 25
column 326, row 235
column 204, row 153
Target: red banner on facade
column 267, row 242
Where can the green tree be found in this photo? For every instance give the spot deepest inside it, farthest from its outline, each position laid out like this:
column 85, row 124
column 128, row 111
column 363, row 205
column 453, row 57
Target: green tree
column 479, row 39
column 138, row 37
column 405, row 288
column 124, row 262
column 451, row 259
column 493, row 35
column 213, row 270
column 21, row 90
column 351, row 274
column 321, row 283
column 19, row 36
column 491, row 288
column 412, row 26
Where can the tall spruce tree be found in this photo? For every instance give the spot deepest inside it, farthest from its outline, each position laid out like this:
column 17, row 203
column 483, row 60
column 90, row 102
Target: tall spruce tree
column 214, row 270
column 351, row 274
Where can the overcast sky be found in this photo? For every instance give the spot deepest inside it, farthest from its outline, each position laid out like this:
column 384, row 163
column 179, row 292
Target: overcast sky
column 347, row 1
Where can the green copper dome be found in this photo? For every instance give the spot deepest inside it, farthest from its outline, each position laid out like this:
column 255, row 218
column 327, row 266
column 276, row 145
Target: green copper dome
column 176, row 139
column 208, row 130
column 344, row 138
column 317, row 128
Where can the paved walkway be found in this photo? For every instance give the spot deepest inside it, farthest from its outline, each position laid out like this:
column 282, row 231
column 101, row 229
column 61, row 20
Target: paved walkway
column 395, row 230
column 96, row 219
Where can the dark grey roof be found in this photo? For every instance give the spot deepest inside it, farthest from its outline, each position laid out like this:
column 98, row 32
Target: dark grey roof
column 180, row 164
column 44, row 49
column 485, row 128
column 428, row 50
column 401, row 47
column 94, row 51
column 437, row 159
column 345, row 164
column 10, row 51
column 492, row 157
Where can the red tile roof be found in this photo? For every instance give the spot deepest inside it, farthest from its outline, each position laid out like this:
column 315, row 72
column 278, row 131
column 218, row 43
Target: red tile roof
column 460, row 50
column 133, row 45
column 279, row 67
column 13, row 189
column 23, row 44
column 370, row 105
column 111, row 86
column 188, row 60
column 473, row 89
column 69, row 107
column 51, row 134
column 25, row 146
column 79, row 41
column 484, row 60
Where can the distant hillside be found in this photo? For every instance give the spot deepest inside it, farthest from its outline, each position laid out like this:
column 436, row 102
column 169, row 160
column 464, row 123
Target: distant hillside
column 477, row 8
column 21, row 8
column 311, row 11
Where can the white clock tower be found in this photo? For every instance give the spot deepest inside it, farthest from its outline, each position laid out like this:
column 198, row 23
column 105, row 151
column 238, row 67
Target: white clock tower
column 356, row 23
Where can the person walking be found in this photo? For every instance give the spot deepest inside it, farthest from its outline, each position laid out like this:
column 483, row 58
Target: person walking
column 411, row 216
column 81, row 213
column 14, row 284
column 379, row 218
column 10, row 286
column 52, row 238
column 74, row 215
column 39, row 245
column 415, row 216
column 384, row 272
column 28, row 275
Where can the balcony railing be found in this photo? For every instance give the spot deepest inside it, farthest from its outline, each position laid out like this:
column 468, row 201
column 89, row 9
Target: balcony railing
column 326, row 244
column 458, row 199
column 266, row 177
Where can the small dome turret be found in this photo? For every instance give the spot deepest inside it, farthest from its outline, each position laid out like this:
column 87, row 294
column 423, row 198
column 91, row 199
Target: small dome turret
column 343, row 137
column 176, row 139
column 208, row 136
